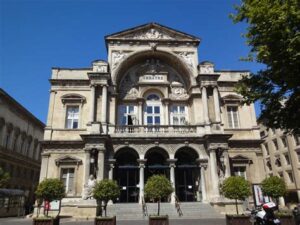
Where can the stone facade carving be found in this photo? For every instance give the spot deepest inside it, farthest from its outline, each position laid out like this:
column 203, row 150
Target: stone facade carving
column 187, row 57
column 150, row 34
column 89, row 187
column 117, row 57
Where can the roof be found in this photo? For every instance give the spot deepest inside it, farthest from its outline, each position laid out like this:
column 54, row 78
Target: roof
column 152, row 31
column 18, row 106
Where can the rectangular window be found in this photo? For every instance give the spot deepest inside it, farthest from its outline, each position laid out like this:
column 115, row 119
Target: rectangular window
column 240, row 171
column 297, row 139
column 67, row 177
column 178, row 115
column 284, row 142
column 275, row 144
column 232, row 114
column 72, row 117
column 127, row 115
column 291, row 177
column 287, row 159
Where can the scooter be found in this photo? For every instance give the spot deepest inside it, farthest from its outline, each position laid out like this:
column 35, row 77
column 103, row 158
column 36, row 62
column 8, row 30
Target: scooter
column 265, row 215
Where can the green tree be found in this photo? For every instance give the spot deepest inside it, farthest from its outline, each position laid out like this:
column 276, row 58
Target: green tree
column 158, row 187
column 236, row 188
column 50, row 189
column 4, row 178
column 273, row 187
column 273, row 36
column 106, row 190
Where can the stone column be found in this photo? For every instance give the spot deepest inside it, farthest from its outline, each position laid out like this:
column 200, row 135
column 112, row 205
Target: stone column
column 140, row 112
column 111, row 163
column 217, row 104
column 205, row 106
column 104, row 104
column 142, row 180
column 86, row 170
column 92, row 112
column 100, row 172
column 51, row 108
column 44, row 168
column 202, row 186
column 214, row 173
column 167, row 120
column 227, row 164
column 172, row 165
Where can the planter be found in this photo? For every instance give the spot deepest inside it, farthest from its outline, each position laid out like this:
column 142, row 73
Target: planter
column 238, row 220
column 46, row 221
column 105, row 221
column 158, row 220
column 286, row 220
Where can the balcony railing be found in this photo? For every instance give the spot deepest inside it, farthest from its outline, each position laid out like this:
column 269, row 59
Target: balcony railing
column 161, row 129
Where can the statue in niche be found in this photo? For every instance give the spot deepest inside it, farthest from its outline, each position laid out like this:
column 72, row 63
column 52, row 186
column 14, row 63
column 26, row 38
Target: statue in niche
column 89, row 187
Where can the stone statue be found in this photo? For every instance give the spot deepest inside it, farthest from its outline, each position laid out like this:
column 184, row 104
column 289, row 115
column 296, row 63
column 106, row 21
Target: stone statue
column 89, row 187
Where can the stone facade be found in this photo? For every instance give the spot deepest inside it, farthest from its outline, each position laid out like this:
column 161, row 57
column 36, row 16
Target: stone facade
column 281, row 152
column 20, row 134
column 150, row 108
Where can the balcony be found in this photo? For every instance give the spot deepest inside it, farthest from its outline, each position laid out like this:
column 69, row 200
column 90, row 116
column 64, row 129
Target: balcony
column 161, row 130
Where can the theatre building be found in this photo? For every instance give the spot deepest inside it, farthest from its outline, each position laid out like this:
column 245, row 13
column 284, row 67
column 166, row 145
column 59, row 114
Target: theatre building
column 150, row 108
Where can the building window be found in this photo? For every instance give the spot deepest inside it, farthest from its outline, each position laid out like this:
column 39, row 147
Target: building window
column 67, row 177
column 297, row 139
column 178, row 115
column 239, row 171
column 291, row 178
column 232, row 114
column 287, row 159
column 267, row 149
column 153, row 110
column 275, row 144
column 127, row 115
column 284, row 142
column 72, row 117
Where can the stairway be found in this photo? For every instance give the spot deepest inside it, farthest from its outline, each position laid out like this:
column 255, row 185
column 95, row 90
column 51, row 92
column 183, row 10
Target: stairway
column 190, row 210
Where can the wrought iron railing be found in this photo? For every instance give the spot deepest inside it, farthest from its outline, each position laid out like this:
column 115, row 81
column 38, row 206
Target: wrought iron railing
column 144, row 207
column 161, row 129
column 177, row 206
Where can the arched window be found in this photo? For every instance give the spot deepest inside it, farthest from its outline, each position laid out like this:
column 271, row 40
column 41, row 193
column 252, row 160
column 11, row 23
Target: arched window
column 152, row 110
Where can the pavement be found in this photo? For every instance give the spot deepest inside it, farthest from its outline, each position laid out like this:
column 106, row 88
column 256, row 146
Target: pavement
column 69, row 221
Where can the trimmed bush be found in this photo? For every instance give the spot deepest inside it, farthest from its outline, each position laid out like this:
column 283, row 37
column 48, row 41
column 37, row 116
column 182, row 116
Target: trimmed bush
column 273, row 187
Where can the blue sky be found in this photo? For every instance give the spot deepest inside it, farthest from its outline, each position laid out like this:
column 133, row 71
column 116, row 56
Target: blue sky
column 37, row 35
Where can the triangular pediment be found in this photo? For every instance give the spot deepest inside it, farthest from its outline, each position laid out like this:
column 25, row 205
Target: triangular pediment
column 241, row 159
column 68, row 160
column 152, row 32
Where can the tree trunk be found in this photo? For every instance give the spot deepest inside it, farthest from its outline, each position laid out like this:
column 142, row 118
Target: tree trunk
column 158, row 208
column 105, row 206
column 236, row 206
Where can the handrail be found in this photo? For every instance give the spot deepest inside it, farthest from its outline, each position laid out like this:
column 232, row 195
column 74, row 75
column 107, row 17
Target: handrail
column 177, row 206
column 144, row 207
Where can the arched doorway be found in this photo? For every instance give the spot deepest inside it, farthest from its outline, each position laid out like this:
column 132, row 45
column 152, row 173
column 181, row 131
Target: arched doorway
column 126, row 173
column 187, row 177
column 157, row 164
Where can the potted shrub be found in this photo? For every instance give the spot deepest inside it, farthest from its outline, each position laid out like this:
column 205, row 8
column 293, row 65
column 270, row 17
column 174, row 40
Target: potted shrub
column 236, row 188
column 156, row 188
column 273, row 187
column 48, row 190
column 104, row 191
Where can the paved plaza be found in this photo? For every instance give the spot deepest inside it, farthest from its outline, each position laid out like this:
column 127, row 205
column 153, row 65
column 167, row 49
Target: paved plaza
column 22, row 221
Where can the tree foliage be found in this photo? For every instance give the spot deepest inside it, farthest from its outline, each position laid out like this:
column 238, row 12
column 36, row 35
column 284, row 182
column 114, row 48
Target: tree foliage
column 4, row 178
column 237, row 188
column 158, row 187
column 273, row 35
column 50, row 189
column 274, row 187
column 106, row 190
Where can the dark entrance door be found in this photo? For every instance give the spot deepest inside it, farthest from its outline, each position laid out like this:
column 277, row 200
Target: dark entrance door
column 128, row 178
column 186, row 175
column 186, row 189
column 126, row 173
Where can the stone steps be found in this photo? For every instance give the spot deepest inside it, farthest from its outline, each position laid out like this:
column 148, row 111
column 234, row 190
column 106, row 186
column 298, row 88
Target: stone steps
column 133, row 211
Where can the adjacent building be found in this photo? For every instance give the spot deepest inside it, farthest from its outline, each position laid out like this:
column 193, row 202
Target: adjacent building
column 281, row 152
column 150, row 108
column 20, row 151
